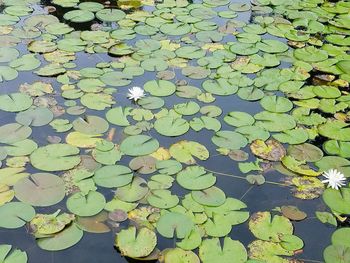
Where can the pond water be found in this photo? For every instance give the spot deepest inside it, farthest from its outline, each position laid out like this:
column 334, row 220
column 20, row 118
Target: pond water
column 244, row 107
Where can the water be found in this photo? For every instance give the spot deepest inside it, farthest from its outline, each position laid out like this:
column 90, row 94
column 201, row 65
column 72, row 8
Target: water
column 99, row 247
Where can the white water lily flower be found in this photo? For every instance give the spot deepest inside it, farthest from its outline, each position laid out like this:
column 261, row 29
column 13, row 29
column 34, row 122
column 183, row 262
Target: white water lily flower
column 136, row 93
column 335, row 179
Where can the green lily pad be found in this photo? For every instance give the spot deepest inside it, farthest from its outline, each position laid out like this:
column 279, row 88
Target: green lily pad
column 86, row 205
column 272, row 46
column 113, row 176
column 238, row 118
column 219, row 226
column 41, row 189
column 229, row 139
column 183, row 151
column 38, row 116
column 118, row 116
column 195, row 178
column 11, row 255
column 274, row 122
column 338, row 201
column 191, row 241
column 337, row 130
column 13, row 133
column 99, row 101
column 175, row 29
column 162, row 198
column 171, row 126
column 212, row 196
column 174, row 224
column 295, row 136
column 15, row 102
column 336, row 254
column 276, row 104
column 334, row 147
column 139, row 145
column 136, row 245
column 62, row 240
column 55, row 157
column 79, row 16
column 179, row 255
column 47, row 224
column 232, row 251
column 266, row 251
column 134, row 191
column 15, row 214
column 264, row 227
column 305, row 152
column 110, row 15
column 160, row 87
column 90, row 124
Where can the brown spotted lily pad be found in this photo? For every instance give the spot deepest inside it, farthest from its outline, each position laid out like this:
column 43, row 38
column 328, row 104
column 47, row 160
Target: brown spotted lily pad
column 270, row 150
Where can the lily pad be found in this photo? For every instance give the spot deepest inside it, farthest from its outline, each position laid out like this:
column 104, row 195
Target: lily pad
column 55, row 157
column 62, row 240
column 179, row 255
column 139, row 145
column 12, row 255
column 134, row 191
column 174, row 224
column 135, row 245
column 232, row 251
column 15, row 102
column 160, row 87
column 113, row 176
column 41, row 189
column 212, row 196
column 86, row 205
column 266, row 227
column 16, row 214
column 184, row 151
column 195, row 178
column 171, row 126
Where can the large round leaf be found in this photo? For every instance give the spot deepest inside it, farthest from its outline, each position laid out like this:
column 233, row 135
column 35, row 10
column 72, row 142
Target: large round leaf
column 338, row 201
column 160, row 87
column 179, row 255
column 136, row 245
column 62, row 240
column 221, row 86
column 113, row 176
column 55, row 157
column 15, row 214
column 184, row 151
column 212, row 196
column 229, row 139
column 86, row 205
column 139, row 145
column 15, row 102
column 13, row 132
column 41, row 189
column 162, row 198
column 9, row 255
column 337, row 130
column 174, row 224
column 264, row 227
column 232, row 251
column 38, row 116
column 134, row 191
column 90, row 124
column 171, row 126
column 195, row 178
